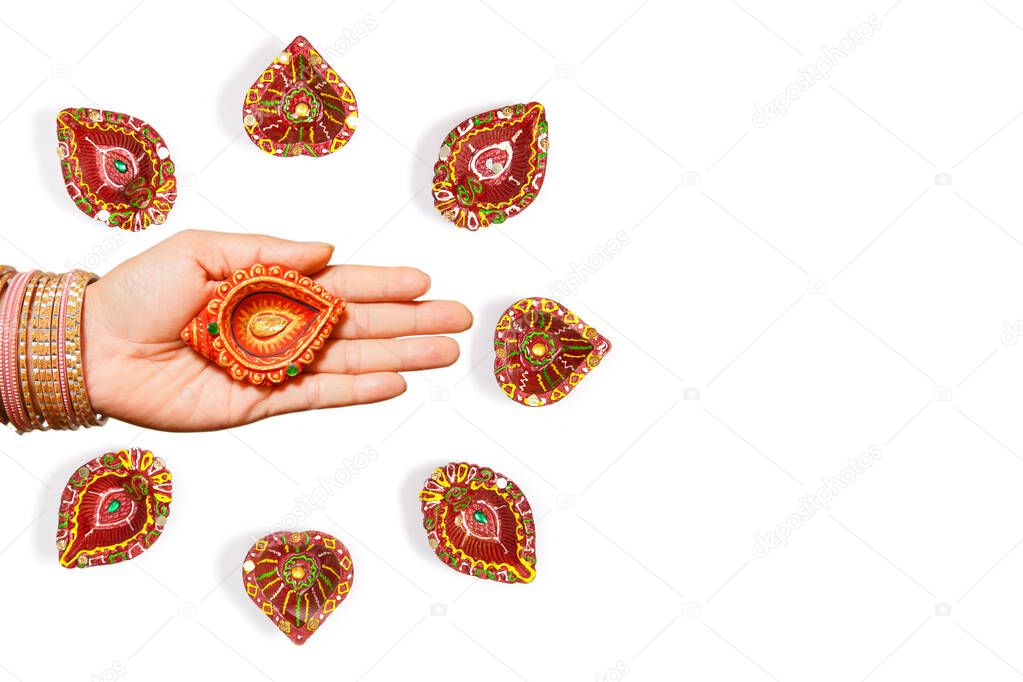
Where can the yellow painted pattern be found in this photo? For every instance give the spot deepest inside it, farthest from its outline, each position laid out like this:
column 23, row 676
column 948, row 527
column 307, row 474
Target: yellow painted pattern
column 73, row 153
column 527, row 184
column 150, row 523
column 462, row 478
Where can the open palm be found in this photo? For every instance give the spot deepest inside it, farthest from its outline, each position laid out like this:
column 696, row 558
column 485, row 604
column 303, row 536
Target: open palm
column 138, row 369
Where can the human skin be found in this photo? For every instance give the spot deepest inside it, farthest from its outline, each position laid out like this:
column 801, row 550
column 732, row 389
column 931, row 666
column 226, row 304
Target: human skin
column 139, row 370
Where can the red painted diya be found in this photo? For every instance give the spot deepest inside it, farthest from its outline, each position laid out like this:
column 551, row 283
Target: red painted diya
column 479, row 523
column 299, row 105
column 543, row 351
column 113, row 508
column 264, row 324
column 297, row 580
column 491, row 166
column 117, row 168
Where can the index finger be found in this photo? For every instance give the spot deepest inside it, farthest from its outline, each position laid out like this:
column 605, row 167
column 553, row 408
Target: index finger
column 371, row 284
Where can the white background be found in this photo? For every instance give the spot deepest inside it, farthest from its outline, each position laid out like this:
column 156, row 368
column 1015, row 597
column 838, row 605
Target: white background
column 783, row 297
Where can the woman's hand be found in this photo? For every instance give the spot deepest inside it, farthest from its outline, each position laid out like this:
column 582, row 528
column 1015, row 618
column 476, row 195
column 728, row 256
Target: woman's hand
column 139, row 370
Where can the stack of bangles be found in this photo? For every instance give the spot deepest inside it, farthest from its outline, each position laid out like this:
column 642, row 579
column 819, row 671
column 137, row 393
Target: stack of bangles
column 42, row 380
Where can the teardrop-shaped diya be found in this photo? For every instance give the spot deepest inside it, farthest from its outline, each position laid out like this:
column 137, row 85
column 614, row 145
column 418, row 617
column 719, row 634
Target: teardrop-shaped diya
column 479, row 523
column 264, row 324
column 117, row 168
column 299, row 105
column 113, row 508
column 491, row 166
column 543, row 351
column 298, row 580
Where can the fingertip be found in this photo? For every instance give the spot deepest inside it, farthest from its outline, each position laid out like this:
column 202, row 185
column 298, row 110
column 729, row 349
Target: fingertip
column 373, row 388
column 461, row 318
column 414, row 282
column 220, row 253
column 319, row 256
column 437, row 351
column 326, row 247
column 392, row 385
column 450, row 351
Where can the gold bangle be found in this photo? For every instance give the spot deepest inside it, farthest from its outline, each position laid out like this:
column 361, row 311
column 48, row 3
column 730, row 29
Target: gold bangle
column 74, row 350
column 34, row 418
column 42, row 354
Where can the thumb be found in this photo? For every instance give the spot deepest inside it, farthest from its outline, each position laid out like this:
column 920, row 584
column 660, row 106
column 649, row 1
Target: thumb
column 221, row 253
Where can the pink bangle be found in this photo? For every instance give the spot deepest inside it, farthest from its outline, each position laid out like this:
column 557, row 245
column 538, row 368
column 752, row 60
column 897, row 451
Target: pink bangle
column 42, row 378
column 11, row 381
column 5, row 331
column 6, row 273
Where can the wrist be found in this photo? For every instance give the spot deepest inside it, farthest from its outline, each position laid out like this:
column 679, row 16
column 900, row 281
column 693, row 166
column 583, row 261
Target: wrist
column 96, row 352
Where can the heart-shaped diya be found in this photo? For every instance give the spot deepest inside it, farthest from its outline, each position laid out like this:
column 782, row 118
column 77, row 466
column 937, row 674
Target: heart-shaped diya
column 264, row 324
column 479, row 523
column 117, row 169
column 113, row 508
column 491, row 166
column 543, row 350
column 297, row 579
column 299, row 105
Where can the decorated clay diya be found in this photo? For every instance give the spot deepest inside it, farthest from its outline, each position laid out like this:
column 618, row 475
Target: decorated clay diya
column 265, row 324
column 117, row 168
column 113, row 508
column 299, row 105
column 543, row 351
column 297, row 580
column 479, row 523
column 491, row 166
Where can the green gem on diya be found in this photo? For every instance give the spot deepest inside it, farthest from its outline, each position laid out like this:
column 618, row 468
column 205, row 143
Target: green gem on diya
column 116, row 512
column 127, row 182
column 493, row 536
column 264, row 324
